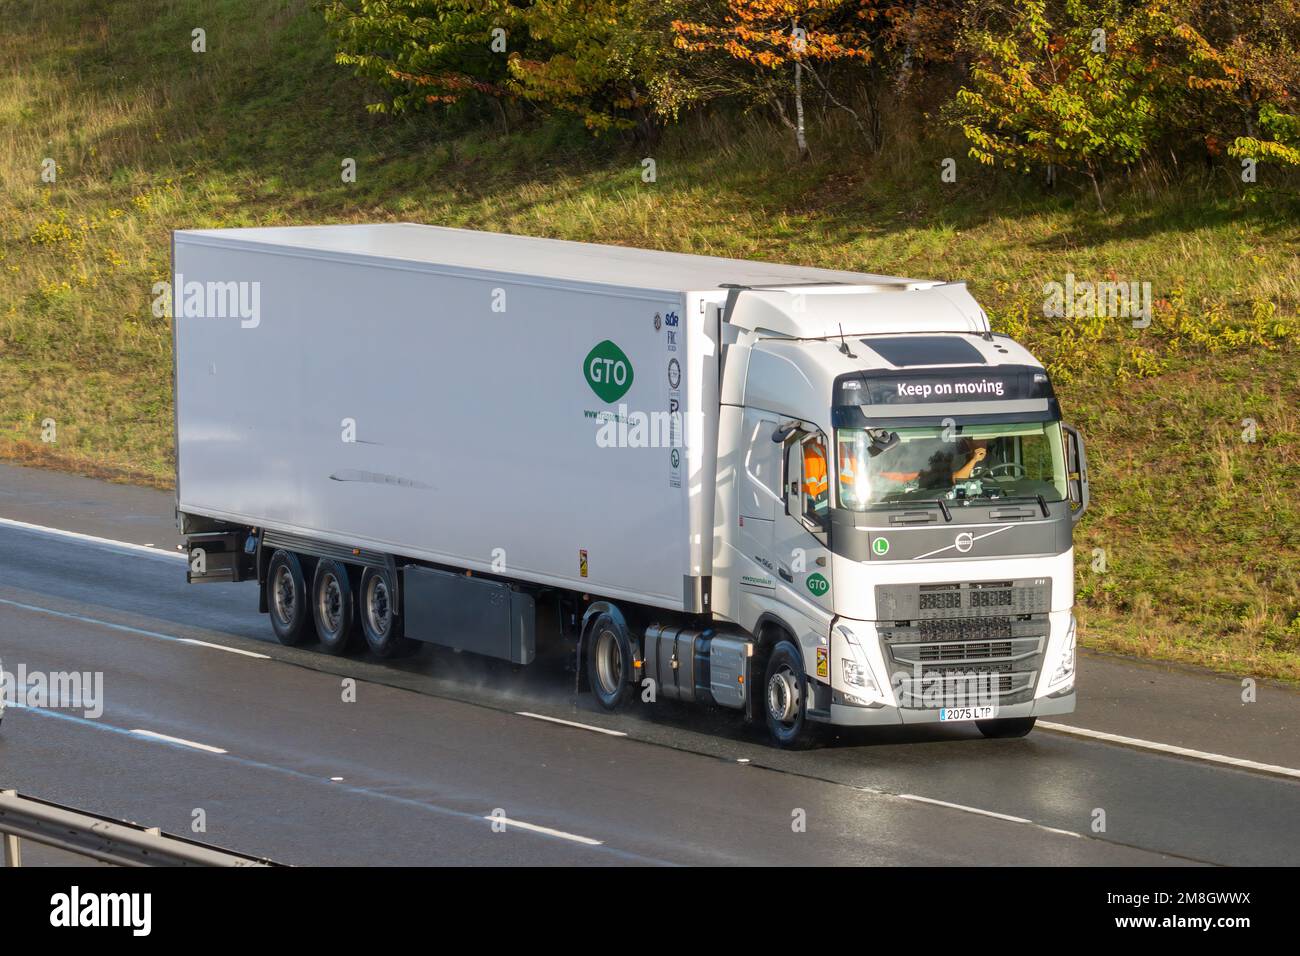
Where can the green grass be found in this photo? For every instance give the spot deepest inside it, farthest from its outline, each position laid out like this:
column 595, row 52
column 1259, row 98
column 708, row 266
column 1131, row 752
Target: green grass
column 1197, row 525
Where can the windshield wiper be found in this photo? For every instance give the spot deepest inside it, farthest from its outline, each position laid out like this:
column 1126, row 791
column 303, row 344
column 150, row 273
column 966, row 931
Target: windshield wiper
column 911, row 502
column 1042, row 502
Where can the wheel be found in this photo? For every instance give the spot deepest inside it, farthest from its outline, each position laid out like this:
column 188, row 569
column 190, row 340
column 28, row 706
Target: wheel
column 335, row 606
column 380, row 625
column 785, row 698
column 1006, row 727
column 286, row 598
column 609, row 661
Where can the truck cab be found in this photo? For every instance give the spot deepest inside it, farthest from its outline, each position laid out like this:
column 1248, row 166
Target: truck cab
column 896, row 495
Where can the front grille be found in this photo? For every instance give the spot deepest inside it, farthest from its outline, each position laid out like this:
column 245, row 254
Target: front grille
column 968, row 648
column 900, row 602
column 959, row 629
column 940, row 601
column 942, row 689
column 990, row 598
column 971, row 651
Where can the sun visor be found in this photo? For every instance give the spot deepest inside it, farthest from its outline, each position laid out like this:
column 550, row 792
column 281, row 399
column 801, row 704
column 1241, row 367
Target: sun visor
column 936, row 393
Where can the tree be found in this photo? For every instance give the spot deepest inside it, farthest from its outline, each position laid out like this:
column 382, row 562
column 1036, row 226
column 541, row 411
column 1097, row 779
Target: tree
column 1044, row 91
column 609, row 61
column 1073, row 88
column 1242, row 77
column 777, row 39
column 1283, row 146
column 424, row 52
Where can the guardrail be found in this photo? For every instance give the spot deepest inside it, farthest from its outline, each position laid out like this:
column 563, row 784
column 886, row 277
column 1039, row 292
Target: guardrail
column 101, row 838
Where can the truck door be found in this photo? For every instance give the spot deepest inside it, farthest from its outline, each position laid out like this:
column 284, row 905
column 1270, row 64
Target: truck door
column 801, row 531
column 758, row 485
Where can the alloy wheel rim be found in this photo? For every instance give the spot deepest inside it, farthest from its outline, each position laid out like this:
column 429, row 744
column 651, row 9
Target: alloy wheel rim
column 609, row 662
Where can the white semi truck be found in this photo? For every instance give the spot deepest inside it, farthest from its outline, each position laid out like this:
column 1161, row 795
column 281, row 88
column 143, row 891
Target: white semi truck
column 816, row 497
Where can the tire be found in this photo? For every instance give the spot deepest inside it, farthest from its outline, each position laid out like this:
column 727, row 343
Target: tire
column 609, row 661
column 785, row 698
column 286, row 599
column 334, row 606
column 1006, row 727
column 380, row 626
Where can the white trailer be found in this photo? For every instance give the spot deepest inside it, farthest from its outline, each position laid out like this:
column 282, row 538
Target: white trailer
column 836, row 487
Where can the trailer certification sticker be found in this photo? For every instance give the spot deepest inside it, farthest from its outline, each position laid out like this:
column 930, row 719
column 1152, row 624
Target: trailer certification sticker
column 674, row 403
column 823, row 664
column 986, row 712
column 582, row 562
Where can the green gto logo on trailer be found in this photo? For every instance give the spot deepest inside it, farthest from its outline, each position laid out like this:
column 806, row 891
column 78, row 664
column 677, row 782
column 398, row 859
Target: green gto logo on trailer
column 608, row 371
column 817, row 584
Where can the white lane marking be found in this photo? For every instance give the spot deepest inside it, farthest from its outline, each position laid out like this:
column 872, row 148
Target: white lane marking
column 1060, row 831
column 1239, row 762
column 570, row 723
column 131, row 630
column 983, row 813
column 964, row 808
column 219, row 647
column 178, row 740
column 585, row 841
column 92, row 539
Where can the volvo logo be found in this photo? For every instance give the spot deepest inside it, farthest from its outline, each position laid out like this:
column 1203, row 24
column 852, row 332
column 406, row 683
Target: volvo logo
column 964, row 542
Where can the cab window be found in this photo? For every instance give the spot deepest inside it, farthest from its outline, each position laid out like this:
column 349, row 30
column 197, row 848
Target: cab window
column 816, row 487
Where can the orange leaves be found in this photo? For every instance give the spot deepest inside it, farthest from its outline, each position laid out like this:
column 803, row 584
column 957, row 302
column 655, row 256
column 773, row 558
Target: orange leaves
column 770, row 33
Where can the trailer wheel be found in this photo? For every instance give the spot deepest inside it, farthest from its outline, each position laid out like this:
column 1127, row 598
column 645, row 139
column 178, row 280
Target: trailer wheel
column 785, row 698
column 334, row 603
column 379, row 621
column 609, row 662
column 286, row 598
column 1006, row 727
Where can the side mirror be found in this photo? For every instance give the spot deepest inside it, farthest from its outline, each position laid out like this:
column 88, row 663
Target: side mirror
column 1076, row 472
column 783, row 432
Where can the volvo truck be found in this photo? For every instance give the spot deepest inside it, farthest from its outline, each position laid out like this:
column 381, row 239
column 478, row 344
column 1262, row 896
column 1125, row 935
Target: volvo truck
column 811, row 496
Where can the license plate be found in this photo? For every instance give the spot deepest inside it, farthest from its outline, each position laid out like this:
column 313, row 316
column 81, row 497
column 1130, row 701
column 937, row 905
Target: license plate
column 986, row 712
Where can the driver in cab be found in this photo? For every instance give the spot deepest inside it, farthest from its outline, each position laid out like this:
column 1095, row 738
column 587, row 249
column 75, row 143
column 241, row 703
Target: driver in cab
column 949, row 464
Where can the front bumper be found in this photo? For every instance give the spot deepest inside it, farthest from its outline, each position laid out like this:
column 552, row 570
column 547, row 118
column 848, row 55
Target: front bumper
column 843, row 715
column 913, row 676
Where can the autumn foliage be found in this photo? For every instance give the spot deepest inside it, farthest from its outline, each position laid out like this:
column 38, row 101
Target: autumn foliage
column 1045, row 86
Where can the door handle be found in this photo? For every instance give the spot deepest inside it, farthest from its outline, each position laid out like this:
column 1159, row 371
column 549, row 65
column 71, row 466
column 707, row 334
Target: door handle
column 786, row 575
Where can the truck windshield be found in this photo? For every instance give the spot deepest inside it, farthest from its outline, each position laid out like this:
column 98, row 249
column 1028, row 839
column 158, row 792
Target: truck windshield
column 1022, row 460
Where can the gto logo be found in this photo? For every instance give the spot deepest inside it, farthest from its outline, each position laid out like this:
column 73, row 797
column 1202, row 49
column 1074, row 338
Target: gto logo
column 608, row 371
column 964, row 542
column 817, row 584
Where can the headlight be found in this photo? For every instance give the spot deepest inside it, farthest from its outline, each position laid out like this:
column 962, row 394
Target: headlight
column 856, row 675
column 1065, row 670
column 856, row 670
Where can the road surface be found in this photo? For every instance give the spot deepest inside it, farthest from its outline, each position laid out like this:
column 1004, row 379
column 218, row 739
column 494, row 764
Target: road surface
column 448, row 759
